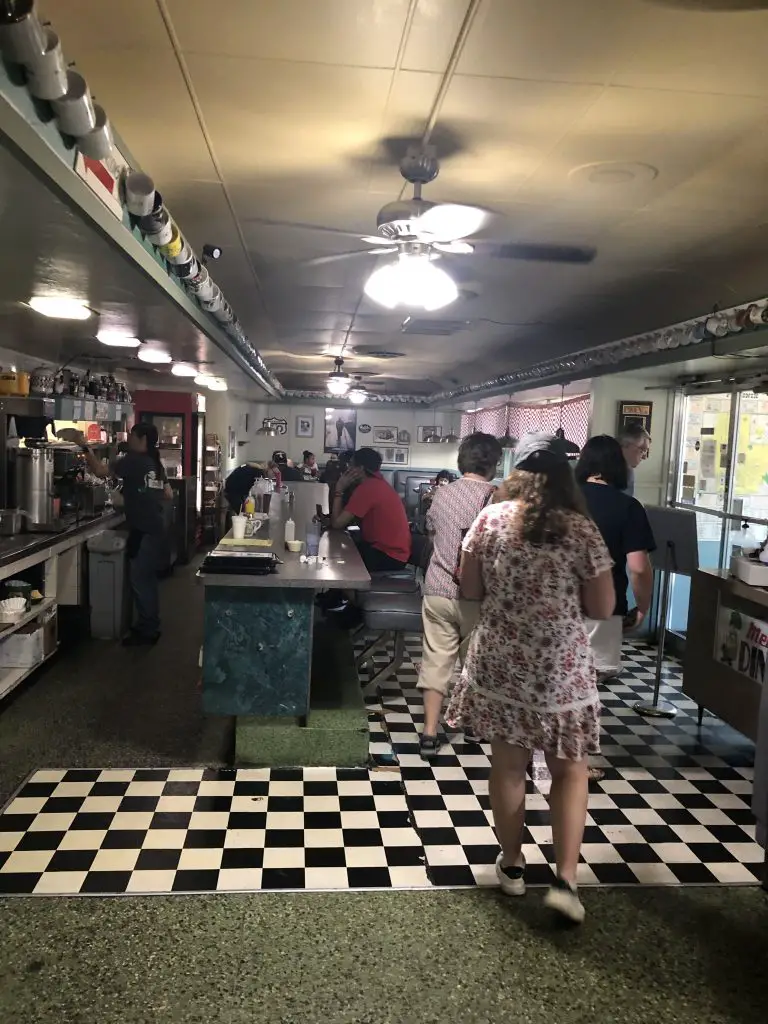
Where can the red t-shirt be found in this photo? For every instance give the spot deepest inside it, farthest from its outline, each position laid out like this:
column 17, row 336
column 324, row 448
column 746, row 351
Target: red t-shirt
column 383, row 522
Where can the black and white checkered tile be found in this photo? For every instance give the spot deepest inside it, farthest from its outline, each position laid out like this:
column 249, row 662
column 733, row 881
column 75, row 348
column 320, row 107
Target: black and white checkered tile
column 673, row 808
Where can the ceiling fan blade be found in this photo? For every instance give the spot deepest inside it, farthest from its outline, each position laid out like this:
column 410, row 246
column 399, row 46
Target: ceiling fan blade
column 448, row 222
column 378, row 240
column 540, row 252
column 299, row 226
column 337, row 257
column 457, row 248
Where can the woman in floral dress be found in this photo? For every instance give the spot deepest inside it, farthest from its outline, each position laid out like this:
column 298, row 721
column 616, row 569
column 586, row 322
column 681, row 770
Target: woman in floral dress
column 529, row 683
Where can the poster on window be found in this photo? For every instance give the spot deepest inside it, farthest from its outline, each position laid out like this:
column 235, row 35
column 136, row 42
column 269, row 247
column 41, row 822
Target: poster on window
column 741, row 643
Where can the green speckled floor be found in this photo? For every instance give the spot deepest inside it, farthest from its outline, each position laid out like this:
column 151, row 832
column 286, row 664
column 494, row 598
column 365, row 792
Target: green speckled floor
column 684, row 956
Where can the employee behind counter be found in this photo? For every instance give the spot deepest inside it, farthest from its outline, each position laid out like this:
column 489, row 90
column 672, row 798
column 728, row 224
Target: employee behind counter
column 145, row 488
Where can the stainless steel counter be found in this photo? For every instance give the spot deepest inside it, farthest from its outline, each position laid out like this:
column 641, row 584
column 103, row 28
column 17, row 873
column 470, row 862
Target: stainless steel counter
column 339, row 564
column 25, row 549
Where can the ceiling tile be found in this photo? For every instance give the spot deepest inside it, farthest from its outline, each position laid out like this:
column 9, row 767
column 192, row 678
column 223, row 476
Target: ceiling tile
column 554, row 40
column 146, row 99
column 363, row 33
column 701, row 51
column 506, row 127
column 435, row 26
column 679, row 138
column 93, row 24
column 268, row 120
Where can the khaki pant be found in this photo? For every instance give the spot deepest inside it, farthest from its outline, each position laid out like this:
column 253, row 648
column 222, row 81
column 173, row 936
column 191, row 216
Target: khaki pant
column 448, row 625
column 605, row 636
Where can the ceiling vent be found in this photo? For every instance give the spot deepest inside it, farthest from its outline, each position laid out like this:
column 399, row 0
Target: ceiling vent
column 376, row 353
column 439, row 328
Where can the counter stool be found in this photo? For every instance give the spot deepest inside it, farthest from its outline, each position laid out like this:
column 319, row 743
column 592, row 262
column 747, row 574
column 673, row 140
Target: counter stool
column 391, row 614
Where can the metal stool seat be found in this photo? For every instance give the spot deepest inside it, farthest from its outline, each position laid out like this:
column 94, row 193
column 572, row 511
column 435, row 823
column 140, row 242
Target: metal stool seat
column 391, row 615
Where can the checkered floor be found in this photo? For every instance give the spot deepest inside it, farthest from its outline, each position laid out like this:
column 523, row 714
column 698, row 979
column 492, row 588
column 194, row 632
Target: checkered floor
column 673, row 808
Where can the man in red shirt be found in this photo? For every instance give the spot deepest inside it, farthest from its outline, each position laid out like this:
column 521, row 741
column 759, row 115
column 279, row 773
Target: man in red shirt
column 385, row 535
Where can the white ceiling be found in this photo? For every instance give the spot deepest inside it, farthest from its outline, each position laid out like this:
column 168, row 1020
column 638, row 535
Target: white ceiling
column 245, row 112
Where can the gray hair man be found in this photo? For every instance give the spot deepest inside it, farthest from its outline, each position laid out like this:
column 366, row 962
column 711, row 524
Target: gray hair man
column 635, row 444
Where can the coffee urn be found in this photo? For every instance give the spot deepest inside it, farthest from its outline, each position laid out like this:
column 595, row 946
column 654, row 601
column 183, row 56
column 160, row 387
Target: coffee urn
column 34, row 486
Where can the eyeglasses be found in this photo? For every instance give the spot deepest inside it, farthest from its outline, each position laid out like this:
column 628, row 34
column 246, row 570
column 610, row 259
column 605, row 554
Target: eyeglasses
column 644, row 449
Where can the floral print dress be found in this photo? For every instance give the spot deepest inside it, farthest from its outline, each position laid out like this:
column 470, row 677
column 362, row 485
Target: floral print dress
column 529, row 678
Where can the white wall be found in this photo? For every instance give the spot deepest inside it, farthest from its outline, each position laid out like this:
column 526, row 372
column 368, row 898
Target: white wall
column 606, row 393
column 225, row 410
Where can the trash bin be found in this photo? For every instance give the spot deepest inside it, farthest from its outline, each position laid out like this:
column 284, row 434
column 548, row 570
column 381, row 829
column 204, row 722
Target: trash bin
column 109, row 585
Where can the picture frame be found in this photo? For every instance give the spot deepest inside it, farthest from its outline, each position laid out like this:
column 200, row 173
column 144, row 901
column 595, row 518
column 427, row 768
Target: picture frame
column 385, row 435
column 402, row 456
column 634, row 412
column 305, row 426
column 340, row 433
column 394, row 455
column 424, row 433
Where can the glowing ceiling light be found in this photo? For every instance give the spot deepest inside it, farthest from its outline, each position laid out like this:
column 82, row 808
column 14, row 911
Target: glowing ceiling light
column 217, row 384
column 203, row 380
column 116, row 339
column 413, row 281
column 184, row 370
column 357, row 395
column 150, row 353
column 338, row 382
column 60, row 308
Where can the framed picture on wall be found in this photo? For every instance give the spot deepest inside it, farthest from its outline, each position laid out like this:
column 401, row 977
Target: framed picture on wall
column 385, row 435
column 402, row 456
column 631, row 413
column 340, row 430
column 424, row 433
column 305, row 426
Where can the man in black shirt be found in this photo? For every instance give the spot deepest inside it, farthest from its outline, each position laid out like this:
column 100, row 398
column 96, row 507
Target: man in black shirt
column 602, row 473
column 238, row 484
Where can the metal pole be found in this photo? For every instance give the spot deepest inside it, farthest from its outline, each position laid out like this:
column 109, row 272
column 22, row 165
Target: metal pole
column 661, row 708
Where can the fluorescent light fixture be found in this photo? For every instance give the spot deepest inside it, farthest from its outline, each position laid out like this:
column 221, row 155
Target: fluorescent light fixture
column 184, row 370
column 412, row 281
column 203, row 380
column 217, row 384
column 150, row 353
column 116, row 339
column 60, row 308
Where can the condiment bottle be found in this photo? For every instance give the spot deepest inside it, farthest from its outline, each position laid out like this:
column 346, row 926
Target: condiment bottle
column 290, row 530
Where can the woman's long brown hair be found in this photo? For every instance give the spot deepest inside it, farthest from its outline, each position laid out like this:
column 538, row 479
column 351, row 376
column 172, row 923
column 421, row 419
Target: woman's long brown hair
column 547, row 499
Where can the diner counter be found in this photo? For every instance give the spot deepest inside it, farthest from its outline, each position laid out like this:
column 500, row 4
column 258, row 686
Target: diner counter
column 25, row 549
column 723, row 671
column 339, row 563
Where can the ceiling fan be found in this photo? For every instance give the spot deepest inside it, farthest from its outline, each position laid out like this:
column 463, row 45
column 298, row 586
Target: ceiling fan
column 418, row 227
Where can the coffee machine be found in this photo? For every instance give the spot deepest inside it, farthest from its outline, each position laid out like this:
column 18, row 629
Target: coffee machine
column 34, row 485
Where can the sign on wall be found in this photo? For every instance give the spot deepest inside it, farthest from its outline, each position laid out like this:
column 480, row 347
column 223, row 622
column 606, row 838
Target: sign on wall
column 741, row 642
column 634, row 414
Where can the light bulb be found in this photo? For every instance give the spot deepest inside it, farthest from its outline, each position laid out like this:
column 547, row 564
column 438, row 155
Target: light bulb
column 414, row 282
column 60, row 308
column 337, row 386
column 357, row 396
column 153, row 354
column 184, row 370
column 117, row 340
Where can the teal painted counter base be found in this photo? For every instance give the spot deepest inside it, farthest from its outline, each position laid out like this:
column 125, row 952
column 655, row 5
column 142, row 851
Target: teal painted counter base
column 257, row 651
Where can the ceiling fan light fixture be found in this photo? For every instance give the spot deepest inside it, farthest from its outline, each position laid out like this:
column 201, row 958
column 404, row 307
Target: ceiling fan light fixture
column 357, row 393
column 116, row 339
column 203, row 380
column 217, row 384
column 151, row 353
column 184, row 370
column 60, row 307
column 338, row 382
column 412, row 281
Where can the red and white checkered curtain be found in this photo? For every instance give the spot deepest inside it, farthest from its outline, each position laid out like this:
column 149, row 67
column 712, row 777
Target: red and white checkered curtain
column 528, row 419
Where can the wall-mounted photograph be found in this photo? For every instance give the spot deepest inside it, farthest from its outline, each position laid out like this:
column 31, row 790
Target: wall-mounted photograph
column 340, row 430
column 385, row 435
column 424, row 433
column 394, row 455
column 305, row 426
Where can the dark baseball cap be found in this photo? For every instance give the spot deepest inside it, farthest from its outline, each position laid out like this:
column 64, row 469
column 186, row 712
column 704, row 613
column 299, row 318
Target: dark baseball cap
column 536, row 453
column 279, row 457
